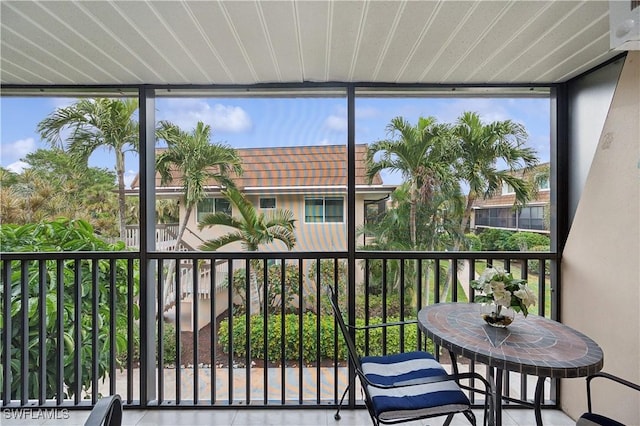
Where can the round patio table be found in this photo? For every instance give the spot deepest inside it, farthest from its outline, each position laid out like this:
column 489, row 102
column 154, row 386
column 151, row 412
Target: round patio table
column 533, row 345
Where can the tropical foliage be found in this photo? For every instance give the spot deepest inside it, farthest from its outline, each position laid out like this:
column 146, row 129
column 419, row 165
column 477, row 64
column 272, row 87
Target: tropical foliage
column 89, row 124
column 53, row 185
column 58, row 279
column 198, row 161
column 422, row 155
column 251, row 229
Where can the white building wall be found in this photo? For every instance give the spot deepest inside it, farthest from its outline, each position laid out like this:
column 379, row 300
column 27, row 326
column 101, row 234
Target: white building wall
column 601, row 261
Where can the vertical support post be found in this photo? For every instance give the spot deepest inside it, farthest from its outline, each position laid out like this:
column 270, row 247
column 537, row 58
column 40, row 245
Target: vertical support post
column 146, row 102
column 351, row 225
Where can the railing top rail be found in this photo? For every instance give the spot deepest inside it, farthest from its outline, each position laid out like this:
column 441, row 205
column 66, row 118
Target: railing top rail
column 445, row 255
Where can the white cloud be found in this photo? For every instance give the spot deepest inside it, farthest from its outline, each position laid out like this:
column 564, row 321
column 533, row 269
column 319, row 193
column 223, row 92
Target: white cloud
column 337, row 123
column 325, row 141
column 367, row 112
column 17, row 167
column 14, row 151
column 186, row 113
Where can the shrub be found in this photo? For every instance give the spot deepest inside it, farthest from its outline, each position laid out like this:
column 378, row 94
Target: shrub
column 524, row 241
column 494, row 239
column 329, row 270
column 273, row 289
column 472, row 242
column 378, row 339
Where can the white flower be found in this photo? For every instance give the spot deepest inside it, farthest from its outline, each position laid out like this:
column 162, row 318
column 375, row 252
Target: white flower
column 526, row 295
column 488, row 274
column 501, row 295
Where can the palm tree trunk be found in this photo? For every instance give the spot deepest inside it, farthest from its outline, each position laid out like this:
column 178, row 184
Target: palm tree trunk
column 412, row 215
column 121, row 200
column 254, row 301
column 172, row 265
column 456, row 246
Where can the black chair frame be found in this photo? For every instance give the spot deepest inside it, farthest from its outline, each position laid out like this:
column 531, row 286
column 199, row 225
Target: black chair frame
column 106, row 412
column 354, row 359
column 596, row 417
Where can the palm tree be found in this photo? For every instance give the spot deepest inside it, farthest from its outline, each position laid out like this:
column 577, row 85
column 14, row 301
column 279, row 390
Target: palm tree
column 421, row 154
column 480, row 147
column 252, row 229
column 91, row 124
column 198, row 161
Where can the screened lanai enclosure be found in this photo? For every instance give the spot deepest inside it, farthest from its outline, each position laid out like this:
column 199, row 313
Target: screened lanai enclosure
column 253, row 153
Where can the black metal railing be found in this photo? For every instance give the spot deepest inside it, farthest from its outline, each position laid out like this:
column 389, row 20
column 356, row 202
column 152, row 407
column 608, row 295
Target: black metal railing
column 244, row 330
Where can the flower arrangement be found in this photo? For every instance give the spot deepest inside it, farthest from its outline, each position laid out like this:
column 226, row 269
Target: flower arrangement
column 501, row 289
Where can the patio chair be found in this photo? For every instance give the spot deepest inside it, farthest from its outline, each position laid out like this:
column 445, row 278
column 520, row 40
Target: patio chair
column 592, row 419
column 106, row 412
column 407, row 386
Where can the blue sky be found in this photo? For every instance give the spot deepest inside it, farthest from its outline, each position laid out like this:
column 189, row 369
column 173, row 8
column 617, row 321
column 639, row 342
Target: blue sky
column 251, row 122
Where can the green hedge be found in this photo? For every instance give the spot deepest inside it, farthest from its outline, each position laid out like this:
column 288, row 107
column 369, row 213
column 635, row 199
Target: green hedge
column 309, row 338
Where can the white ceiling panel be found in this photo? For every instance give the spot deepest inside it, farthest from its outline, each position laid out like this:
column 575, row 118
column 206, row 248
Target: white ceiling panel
column 292, row 41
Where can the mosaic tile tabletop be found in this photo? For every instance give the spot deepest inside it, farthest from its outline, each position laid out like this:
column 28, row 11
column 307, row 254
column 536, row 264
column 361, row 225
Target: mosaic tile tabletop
column 532, row 345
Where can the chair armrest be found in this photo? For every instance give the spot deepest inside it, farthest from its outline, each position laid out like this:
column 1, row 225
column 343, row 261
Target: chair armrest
column 611, row 377
column 433, row 379
column 107, row 412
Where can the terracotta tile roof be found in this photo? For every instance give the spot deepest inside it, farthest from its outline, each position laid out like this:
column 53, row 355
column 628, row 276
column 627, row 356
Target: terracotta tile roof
column 298, row 166
column 500, row 200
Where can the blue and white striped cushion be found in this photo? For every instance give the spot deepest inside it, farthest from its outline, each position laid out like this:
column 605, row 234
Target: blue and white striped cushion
column 410, row 401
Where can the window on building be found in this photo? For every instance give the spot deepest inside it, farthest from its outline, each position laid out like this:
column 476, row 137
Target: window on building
column 532, row 217
column 543, row 184
column 213, row 205
column 267, row 203
column 507, row 189
column 324, row 209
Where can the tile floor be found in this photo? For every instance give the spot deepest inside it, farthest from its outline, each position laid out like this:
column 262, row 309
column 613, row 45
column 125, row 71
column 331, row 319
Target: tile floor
column 270, row 417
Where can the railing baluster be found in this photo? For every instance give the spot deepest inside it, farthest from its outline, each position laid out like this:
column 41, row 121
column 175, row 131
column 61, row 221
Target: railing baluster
column 265, row 335
column 130, row 330
column 160, row 309
column 7, row 327
column 24, row 320
column 77, row 344
column 95, row 273
column 454, row 280
column 436, row 283
column 213, row 291
column 318, row 295
column 230, row 328
column 301, row 308
column 60, row 266
column 179, row 294
column 402, row 291
column 195, row 299
column 112, row 326
column 42, row 332
column 247, row 324
column 384, row 305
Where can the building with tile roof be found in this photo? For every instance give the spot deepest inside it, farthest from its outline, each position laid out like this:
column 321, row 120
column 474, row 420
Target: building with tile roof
column 310, row 181
column 499, row 211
